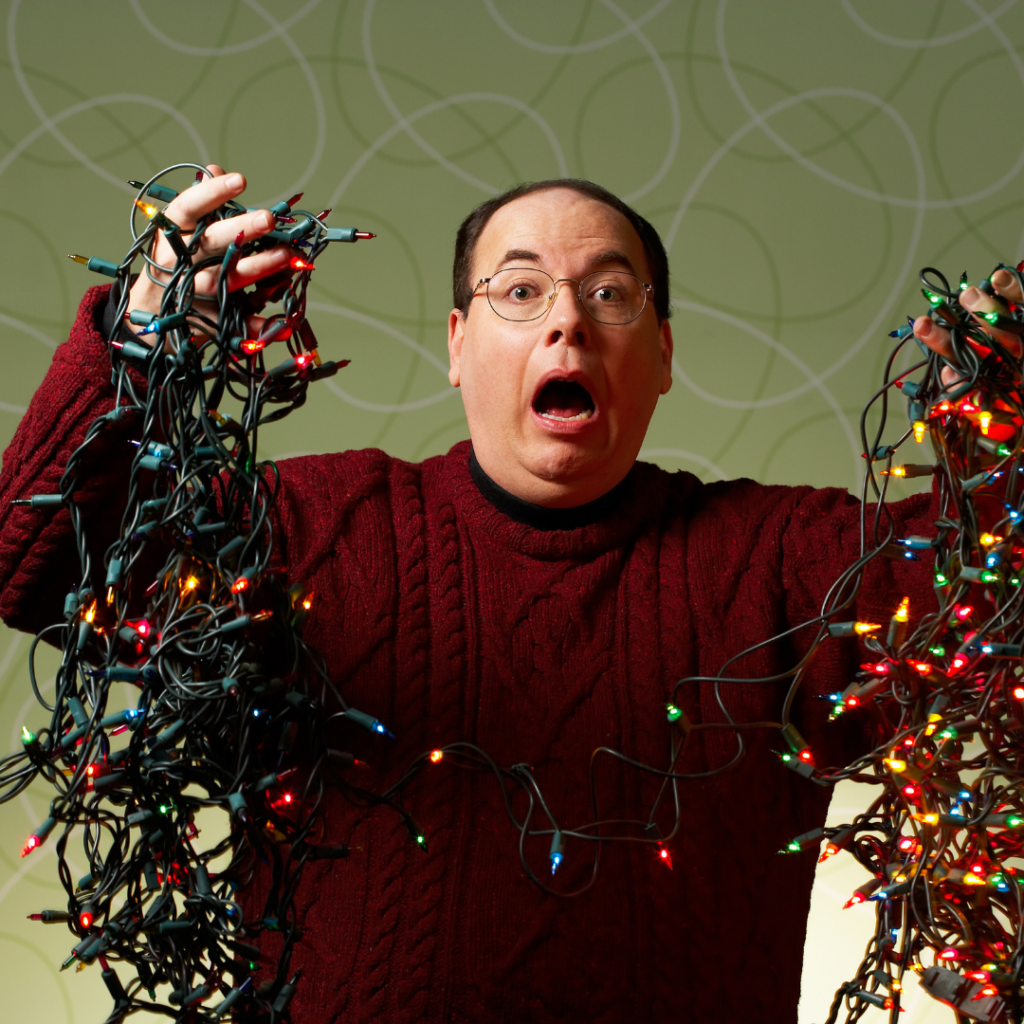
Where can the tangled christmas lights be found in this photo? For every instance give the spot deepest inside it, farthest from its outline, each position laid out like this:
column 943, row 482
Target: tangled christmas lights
column 943, row 838
column 193, row 622
column 228, row 703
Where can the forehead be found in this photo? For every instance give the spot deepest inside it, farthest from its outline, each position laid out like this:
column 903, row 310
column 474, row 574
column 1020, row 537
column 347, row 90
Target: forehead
column 563, row 227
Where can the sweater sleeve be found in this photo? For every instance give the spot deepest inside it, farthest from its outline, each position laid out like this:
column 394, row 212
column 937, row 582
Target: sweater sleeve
column 821, row 539
column 38, row 555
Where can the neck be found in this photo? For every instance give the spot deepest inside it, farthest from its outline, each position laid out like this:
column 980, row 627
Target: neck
column 541, row 517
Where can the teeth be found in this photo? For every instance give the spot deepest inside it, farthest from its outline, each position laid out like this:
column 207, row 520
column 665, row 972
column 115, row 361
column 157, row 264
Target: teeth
column 585, row 415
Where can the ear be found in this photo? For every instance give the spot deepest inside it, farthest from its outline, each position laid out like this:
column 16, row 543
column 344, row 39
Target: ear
column 456, row 324
column 667, row 348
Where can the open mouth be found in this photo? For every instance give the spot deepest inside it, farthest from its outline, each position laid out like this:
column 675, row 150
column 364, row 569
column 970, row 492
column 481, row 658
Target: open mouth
column 564, row 400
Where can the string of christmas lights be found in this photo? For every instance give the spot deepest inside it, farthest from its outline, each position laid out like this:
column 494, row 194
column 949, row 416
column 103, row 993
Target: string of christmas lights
column 229, row 702
column 193, row 622
column 943, row 837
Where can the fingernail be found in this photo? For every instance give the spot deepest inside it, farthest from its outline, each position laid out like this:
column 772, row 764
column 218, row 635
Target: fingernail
column 234, row 181
column 262, row 221
column 971, row 295
column 923, row 327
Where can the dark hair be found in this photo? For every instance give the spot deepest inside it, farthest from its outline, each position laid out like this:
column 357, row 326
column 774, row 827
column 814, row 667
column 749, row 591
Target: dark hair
column 473, row 225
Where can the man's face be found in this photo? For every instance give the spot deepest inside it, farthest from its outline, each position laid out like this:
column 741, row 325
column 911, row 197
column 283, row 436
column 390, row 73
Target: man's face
column 558, row 407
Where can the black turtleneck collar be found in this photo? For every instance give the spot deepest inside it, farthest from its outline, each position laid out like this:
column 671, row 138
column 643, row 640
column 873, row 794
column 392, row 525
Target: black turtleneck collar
column 540, row 517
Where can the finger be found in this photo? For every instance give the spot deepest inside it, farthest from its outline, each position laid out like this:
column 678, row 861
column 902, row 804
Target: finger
column 218, row 236
column 935, row 337
column 255, row 268
column 204, row 198
column 251, row 269
column 1006, row 284
column 978, row 303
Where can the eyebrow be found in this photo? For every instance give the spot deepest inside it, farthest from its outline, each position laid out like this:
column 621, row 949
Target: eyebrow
column 608, row 256
column 613, row 256
column 520, row 254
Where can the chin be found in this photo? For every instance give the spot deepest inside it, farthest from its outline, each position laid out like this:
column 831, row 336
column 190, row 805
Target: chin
column 566, row 463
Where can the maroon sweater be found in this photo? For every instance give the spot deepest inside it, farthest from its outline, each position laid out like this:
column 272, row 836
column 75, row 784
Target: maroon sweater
column 450, row 620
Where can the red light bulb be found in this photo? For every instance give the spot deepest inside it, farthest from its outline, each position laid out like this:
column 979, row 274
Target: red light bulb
column 298, row 263
column 253, row 345
column 85, row 919
column 665, row 857
column 33, row 842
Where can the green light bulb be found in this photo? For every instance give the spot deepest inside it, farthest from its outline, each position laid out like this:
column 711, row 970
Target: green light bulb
column 939, row 651
column 27, row 737
column 674, row 713
column 941, row 579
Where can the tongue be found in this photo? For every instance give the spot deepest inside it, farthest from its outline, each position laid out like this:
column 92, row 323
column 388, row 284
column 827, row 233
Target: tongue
column 564, row 399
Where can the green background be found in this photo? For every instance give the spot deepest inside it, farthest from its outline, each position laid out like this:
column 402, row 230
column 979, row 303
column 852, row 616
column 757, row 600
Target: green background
column 802, row 158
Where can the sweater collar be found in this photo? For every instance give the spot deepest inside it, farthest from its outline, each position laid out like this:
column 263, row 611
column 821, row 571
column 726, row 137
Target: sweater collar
column 540, row 517
column 600, row 526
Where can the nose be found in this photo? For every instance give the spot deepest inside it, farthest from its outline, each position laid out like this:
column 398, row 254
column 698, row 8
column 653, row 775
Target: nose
column 566, row 319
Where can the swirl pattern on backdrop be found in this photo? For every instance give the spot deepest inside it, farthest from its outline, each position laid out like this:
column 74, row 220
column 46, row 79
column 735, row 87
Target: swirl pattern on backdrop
column 801, row 161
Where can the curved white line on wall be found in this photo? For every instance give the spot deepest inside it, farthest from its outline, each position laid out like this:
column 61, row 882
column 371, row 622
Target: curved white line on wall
column 595, row 44
column 218, row 51
column 102, row 101
column 835, row 179
column 402, row 120
column 32, row 332
column 443, row 104
column 921, row 44
column 882, row 314
column 384, row 328
column 760, row 403
column 673, row 103
column 280, row 32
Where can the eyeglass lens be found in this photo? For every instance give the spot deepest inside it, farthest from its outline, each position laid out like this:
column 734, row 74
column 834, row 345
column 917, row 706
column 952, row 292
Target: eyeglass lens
column 523, row 293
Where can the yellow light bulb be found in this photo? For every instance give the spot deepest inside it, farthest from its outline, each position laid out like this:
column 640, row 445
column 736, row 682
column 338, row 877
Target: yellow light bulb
column 985, row 421
column 929, row 818
column 988, row 539
column 895, row 764
column 898, row 471
column 307, row 604
column 90, row 613
column 147, row 208
column 860, row 628
column 903, row 612
column 919, row 430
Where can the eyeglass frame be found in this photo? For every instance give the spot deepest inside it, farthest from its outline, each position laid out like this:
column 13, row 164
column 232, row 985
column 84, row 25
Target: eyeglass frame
column 578, row 281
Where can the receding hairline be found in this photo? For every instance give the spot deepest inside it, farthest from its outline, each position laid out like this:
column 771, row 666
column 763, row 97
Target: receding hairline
column 605, row 255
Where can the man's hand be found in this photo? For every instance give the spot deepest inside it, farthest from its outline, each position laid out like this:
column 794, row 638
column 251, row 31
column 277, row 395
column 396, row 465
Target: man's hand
column 185, row 210
column 937, row 337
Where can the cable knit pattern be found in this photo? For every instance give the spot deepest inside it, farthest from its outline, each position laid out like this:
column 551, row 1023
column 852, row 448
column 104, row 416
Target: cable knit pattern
column 450, row 621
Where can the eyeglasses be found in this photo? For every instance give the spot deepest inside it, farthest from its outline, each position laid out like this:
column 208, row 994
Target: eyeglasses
column 525, row 293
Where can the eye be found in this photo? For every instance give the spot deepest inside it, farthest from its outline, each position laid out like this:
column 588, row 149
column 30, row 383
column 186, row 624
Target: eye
column 606, row 292
column 522, row 291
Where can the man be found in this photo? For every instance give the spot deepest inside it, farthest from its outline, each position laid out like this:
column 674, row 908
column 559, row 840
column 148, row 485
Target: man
column 538, row 594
